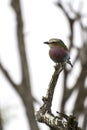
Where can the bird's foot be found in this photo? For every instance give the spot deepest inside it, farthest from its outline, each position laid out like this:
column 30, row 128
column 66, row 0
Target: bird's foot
column 58, row 65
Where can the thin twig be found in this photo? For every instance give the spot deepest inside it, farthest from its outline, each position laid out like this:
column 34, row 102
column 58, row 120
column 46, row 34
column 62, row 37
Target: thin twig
column 7, row 75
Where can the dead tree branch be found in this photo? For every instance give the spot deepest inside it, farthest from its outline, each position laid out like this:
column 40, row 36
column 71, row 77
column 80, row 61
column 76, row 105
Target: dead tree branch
column 44, row 115
column 79, row 107
column 24, row 88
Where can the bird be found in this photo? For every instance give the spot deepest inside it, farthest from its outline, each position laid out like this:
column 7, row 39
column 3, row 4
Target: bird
column 58, row 51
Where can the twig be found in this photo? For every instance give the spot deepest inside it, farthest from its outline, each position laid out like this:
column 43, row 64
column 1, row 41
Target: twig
column 7, row 75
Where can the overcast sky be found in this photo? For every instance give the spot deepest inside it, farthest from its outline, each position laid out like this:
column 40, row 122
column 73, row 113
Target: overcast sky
column 42, row 21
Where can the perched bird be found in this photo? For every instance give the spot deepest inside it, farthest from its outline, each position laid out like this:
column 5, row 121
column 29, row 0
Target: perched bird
column 58, row 52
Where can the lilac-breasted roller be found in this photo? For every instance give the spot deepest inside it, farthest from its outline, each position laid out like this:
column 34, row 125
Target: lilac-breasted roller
column 58, row 52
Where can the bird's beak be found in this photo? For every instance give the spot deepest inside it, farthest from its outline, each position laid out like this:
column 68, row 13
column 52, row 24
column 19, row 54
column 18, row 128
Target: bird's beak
column 46, row 42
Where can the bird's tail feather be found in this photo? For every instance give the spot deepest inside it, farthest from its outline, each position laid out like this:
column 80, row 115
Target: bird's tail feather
column 69, row 62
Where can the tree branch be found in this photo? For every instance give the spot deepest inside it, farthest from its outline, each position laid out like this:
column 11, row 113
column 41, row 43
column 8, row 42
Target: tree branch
column 7, row 75
column 1, row 122
column 26, row 93
column 49, row 96
column 20, row 36
column 44, row 115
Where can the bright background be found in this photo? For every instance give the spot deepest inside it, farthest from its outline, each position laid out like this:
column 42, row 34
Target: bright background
column 42, row 21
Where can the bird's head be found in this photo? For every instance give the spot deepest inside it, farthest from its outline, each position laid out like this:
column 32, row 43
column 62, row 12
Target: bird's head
column 55, row 42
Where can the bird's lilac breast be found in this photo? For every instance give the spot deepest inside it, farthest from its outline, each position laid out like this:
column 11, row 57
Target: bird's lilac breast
column 58, row 54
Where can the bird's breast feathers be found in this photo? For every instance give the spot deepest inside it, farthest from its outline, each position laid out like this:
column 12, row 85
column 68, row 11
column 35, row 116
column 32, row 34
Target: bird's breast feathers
column 58, row 54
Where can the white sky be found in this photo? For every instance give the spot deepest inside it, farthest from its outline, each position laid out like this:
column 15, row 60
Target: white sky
column 42, row 20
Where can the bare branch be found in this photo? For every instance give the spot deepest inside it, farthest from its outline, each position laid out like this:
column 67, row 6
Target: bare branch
column 1, row 121
column 61, row 122
column 79, row 107
column 7, row 75
column 49, row 96
column 50, row 120
column 25, row 94
column 71, row 22
column 20, row 36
